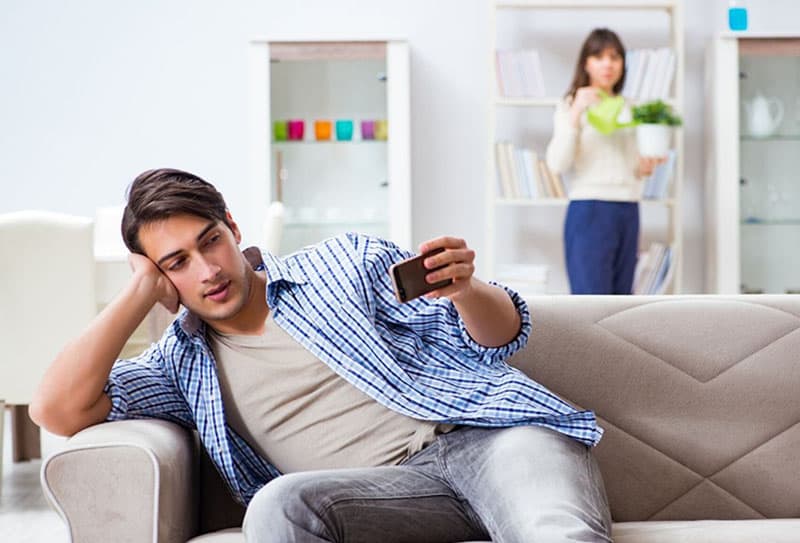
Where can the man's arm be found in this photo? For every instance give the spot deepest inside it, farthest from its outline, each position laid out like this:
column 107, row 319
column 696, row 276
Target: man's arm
column 70, row 396
column 488, row 312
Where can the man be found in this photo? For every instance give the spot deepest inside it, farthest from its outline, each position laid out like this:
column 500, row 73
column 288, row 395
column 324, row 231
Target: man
column 331, row 410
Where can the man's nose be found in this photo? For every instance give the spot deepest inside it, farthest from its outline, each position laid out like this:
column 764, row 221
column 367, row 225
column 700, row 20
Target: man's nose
column 208, row 270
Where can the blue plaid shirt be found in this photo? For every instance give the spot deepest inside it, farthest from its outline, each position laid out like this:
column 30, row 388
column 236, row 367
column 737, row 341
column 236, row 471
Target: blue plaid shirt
column 336, row 300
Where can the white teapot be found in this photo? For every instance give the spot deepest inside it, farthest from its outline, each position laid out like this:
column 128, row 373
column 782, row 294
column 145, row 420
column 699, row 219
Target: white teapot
column 761, row 121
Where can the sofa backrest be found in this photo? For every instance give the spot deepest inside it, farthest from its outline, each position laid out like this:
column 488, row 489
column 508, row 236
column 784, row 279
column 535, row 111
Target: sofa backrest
column 699, row 397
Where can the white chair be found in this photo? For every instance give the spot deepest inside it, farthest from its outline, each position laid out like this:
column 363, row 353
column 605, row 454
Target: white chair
column 47, row 288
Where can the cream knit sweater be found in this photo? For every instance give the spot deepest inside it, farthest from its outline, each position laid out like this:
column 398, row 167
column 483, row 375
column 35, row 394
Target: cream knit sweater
column 604, row 166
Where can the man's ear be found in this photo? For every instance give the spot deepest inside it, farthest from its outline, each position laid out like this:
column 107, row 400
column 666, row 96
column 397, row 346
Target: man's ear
column 237, row 234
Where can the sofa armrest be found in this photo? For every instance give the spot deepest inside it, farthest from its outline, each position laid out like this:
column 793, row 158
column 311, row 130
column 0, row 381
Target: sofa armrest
column 130, row 481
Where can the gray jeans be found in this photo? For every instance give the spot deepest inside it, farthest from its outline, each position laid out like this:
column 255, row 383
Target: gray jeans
column 522, row 484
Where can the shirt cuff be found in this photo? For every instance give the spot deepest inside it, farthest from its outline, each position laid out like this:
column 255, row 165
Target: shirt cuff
column 119, row 400
column 503, row 352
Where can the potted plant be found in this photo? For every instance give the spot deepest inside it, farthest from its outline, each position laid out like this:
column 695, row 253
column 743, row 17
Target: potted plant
column 654, row 121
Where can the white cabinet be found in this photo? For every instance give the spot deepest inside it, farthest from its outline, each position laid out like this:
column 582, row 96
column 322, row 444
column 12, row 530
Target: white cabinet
column 350, row 168
column 753, row 146
column 524, row 235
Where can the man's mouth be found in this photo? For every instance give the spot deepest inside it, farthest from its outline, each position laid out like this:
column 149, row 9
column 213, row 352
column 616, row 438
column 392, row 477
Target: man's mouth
column 219, row 292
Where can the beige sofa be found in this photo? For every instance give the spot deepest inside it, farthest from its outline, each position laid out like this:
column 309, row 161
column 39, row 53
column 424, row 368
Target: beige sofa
column 699, row 397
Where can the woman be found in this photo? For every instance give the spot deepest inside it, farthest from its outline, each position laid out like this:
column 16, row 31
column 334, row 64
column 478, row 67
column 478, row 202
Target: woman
column 601, row 231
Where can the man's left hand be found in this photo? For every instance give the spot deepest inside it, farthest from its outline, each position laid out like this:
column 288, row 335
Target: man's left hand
column 459, row 265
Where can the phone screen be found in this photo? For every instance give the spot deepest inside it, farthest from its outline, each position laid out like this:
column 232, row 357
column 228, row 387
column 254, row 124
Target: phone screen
column 408, row 277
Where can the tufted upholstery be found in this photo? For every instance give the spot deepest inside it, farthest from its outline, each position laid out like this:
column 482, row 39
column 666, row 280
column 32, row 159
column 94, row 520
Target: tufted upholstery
column 698, row 397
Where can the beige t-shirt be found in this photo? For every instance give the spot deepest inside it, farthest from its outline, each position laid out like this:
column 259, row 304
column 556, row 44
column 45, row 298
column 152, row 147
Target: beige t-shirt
column 604, row 165
column 300, row 415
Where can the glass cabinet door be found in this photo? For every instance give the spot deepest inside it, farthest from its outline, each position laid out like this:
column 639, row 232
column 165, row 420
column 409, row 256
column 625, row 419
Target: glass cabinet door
column 328, row 112
column 769, row 145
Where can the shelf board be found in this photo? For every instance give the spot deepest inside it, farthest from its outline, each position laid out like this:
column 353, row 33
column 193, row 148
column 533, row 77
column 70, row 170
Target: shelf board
column 774, row 137
column 327, row 142
column 777, row 222
column 526, row 102
column 316, row 223
column 550, row 101
column 586, row 4
column 538, row 202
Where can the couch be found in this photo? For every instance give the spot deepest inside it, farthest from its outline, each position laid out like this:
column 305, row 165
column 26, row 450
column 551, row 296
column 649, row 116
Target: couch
column 698, row 396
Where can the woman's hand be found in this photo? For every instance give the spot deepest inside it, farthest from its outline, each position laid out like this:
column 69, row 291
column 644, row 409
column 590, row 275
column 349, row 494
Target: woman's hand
column 647, row 164
column 585, row 97
column 458, row 261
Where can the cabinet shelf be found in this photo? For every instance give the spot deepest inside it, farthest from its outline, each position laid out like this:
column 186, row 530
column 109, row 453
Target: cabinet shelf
column 773, row 222
column 549, row 101
column 327, row 142
column 543, row 202
column 774, row 137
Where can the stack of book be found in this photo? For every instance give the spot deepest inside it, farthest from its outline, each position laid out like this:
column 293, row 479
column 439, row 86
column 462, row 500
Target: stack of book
column 656, row 187
column 649, row 74
column 525, row 279
column 653, row 270
column 519, row 73
column 521, row 174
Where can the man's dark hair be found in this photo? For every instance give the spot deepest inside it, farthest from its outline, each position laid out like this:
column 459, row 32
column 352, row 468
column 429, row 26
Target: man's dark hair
column 159, row 194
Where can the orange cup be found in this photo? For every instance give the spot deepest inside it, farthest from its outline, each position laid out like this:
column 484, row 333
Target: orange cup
column 322, row 130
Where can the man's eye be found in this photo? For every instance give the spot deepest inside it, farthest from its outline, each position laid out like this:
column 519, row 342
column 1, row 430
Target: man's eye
column 213, row 239
column 176, row 265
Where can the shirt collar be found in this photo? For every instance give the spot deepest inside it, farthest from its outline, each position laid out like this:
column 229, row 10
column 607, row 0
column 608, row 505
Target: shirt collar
column 278, row 273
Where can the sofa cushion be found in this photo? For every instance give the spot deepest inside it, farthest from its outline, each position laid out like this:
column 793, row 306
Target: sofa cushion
column 697, row 394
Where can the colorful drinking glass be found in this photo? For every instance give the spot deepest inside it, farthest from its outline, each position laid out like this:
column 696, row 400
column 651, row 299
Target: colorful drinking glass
column 322, row 130
column 382, row 130
column 296, row 128
column 367, row 130
column 344, row 130
column 280, row 130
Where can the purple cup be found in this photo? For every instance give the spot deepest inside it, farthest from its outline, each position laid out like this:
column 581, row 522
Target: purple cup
column 296, row 129
column 367, row 130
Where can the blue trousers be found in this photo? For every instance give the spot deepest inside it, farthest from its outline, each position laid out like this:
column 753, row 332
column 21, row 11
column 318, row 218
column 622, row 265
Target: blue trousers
column 601, row 241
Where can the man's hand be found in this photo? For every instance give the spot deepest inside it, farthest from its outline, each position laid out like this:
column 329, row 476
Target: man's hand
column 152, row 278
column 458, row 261
column 487, row 311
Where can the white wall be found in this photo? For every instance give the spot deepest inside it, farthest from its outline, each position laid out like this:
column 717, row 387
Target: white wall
column 93, row 92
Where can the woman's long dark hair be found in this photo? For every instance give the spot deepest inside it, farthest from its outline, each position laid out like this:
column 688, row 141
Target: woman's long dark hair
column 596, row 42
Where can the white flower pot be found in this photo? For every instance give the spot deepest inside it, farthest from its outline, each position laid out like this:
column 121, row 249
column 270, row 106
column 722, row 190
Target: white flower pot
column 653, row 140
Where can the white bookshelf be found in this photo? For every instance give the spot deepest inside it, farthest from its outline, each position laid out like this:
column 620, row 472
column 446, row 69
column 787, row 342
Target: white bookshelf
column 499, row 208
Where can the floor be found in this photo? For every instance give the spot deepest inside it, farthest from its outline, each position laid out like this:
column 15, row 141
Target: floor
column 25, row 515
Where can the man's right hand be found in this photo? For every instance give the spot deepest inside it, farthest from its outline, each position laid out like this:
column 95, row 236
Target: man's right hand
column 151, row 277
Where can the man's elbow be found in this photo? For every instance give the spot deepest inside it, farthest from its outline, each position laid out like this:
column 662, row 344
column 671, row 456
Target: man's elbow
column 52, row 419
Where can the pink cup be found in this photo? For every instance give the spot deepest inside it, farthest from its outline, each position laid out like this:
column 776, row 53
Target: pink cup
column 296, row 129
column 367, row 130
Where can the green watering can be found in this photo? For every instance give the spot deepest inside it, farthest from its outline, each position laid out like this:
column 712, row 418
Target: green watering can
column 603, row 115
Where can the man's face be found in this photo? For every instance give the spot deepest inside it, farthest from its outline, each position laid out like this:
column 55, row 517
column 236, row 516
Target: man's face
column 202, row 259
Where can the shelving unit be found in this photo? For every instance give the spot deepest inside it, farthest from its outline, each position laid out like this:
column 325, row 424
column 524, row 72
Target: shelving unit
column 504, row 246
column 331, row 186
column 752, row 194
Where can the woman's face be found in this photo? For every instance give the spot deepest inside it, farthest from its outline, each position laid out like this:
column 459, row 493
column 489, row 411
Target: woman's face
column 604, row 69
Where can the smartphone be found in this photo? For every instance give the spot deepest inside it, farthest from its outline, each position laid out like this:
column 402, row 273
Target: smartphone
column 408, row 277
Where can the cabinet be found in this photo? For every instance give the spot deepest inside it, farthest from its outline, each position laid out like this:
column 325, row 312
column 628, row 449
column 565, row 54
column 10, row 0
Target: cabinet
column 350, row 168
column 753, row 139
column 524, row 235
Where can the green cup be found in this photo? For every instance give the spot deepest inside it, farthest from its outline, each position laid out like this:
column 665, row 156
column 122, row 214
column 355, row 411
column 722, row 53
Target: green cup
column 280, row 130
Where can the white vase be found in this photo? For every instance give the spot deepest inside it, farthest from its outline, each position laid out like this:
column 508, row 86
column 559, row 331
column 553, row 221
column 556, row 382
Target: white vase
column 653, row 140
